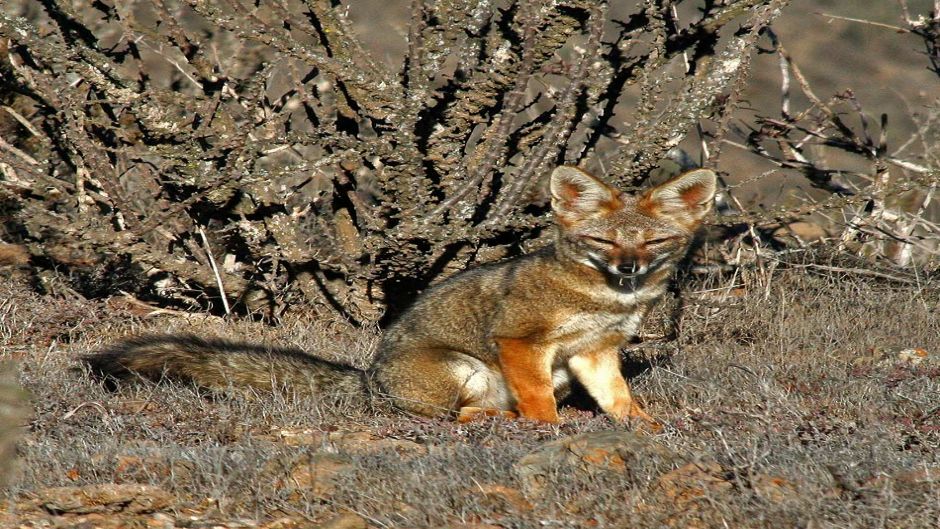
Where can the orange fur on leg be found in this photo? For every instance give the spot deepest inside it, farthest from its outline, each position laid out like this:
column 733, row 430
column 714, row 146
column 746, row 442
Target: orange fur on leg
column 472, row 413
column 527, row 371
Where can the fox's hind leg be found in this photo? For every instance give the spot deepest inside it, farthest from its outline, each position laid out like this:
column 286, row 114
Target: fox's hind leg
column 435, row 383
column 472, row 413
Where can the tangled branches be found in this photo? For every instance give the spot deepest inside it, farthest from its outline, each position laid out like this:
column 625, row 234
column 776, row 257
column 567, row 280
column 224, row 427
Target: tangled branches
column 256, row 152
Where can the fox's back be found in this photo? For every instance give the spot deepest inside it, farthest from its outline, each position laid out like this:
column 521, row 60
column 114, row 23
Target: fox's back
column 461, row 313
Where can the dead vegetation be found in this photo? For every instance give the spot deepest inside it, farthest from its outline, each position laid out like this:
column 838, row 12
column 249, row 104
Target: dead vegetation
column 257, row 156
column 13, row 412
column 795, row 397
column 235, row 156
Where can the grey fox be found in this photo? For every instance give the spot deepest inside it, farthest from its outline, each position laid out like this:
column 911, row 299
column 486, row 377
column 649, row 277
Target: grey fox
column 504, row 338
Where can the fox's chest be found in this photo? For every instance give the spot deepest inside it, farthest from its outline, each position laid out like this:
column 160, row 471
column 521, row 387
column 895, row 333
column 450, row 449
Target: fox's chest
column 578, row 332
column 606, row 318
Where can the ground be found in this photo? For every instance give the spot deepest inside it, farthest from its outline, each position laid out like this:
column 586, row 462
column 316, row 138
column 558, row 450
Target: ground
column 794, row 397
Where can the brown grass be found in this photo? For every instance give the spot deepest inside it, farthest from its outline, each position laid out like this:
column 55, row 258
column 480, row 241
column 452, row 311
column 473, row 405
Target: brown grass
column 789, row 389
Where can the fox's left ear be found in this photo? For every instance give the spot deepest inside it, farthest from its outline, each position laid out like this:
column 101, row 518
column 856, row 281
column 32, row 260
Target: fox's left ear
column 576, row 195
column 687, row 197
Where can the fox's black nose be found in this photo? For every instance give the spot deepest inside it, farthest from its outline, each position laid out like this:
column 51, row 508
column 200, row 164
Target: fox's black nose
column 627, row 268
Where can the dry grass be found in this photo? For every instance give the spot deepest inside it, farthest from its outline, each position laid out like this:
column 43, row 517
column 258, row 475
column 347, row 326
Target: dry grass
column 789, row 388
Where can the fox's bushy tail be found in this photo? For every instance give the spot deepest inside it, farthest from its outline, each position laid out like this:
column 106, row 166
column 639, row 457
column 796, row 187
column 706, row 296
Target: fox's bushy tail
column 222, row 365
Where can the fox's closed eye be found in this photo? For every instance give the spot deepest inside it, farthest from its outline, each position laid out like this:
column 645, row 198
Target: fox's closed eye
column 598, row 240
column 659, row 240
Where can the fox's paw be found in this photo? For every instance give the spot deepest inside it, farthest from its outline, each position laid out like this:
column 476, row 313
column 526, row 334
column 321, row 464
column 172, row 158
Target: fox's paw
column 633, row 411
column 650, row 424
column 540, row 411
column 473, row 413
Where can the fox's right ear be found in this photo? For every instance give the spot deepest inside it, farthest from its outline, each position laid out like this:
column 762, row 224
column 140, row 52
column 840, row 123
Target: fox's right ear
column 578, row 195
column 685, row 198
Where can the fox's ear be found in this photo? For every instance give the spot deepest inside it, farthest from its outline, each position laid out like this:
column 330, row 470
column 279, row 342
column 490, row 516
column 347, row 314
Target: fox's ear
column 578, row 195
column 687, row 197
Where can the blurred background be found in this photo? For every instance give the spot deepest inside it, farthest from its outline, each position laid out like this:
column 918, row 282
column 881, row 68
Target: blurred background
column 886, row 68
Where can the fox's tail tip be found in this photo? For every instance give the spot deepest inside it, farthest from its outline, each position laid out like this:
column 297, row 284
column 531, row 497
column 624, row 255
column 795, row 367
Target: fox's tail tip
column 116, row 360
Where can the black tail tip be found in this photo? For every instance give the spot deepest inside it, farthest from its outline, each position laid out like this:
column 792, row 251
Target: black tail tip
column 105, row 367
column 110, row 364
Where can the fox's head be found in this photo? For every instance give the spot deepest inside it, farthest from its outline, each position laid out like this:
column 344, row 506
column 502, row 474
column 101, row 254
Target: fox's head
column 626, row 236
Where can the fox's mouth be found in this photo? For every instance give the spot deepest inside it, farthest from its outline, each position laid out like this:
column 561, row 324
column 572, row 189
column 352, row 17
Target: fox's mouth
column 627, row 279
column 624, row 274
column 635, row 272
column 629, row 270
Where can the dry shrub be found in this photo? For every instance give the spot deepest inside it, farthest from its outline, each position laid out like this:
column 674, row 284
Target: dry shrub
column 256, row 155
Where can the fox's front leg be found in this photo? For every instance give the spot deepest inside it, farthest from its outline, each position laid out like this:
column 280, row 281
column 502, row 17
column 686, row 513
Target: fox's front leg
column 599, row 372
column 528, row 373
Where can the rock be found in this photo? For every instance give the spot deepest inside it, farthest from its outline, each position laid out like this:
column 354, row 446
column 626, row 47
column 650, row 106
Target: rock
column 286, row 522
column 161, row 521
column 104, row 498
column 135, row 469
column 913, row 356
column 687, row 491
column 362, row 442
column 13, row 255
column 691, row 482
column 773, row 488
column 310, row 474
column 500, row 495
column 368, row 443
column 921, row 482
column 799, row 232
column 470, row 526
column 296, row 437
column 345, row 521
column 620, row 452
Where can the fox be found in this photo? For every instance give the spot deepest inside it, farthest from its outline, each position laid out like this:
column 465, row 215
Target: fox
column 508, row 338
